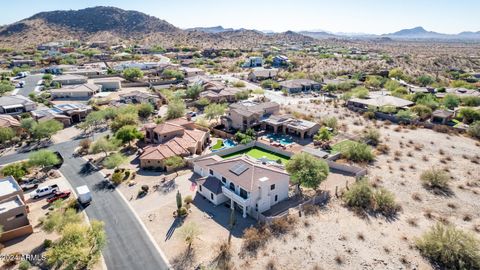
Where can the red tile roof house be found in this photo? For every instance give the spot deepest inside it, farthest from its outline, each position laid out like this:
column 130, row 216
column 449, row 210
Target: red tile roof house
column 249, row 185
column 176, row 137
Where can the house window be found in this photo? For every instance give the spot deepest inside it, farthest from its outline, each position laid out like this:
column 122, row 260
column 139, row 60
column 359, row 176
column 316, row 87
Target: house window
column 256, row 207
column 19, row 215
column 272, row 187
column 232, row 186
column 276, row 197
column 243, row 193
column 211, row 196
column 224, row 180
column 200, row 187
column 211, row 172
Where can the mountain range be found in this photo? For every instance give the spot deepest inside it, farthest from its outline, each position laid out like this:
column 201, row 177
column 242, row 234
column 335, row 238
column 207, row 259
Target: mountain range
column 114, row 24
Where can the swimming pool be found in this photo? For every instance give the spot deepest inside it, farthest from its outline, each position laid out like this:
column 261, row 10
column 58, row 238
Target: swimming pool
column 280, row 138
column 224, row 144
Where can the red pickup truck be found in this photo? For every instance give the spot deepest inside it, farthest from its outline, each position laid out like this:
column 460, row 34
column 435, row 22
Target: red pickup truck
column 59, row 195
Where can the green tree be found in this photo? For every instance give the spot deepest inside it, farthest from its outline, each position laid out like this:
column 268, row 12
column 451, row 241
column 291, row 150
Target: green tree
column 46, row 129
column 6, row 86
column 422, row 111
column 323, row 135
column 43, row 159
column 6, row 134
column 17, row 170
column 202, row 102
column 145, row 110
column 194, row 91
column 469, row 115
column 175, row 162
column 170, row 73
column 104, row 145
column 132, row 74
column 215, row 110
column 114, row 160
column 246, row 137
column 124, row 119
column 307, row 171
column 358, row 152
column 176, row 108
column 425, row 80
column 128, row 134
column 79, row 246
column 451, row 101
column 28, row 124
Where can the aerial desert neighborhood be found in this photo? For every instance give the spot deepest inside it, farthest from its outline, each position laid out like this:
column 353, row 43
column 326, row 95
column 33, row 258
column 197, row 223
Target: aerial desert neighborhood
column 183, row 135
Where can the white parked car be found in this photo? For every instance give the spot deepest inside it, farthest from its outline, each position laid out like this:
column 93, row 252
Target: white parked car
column 44, row 191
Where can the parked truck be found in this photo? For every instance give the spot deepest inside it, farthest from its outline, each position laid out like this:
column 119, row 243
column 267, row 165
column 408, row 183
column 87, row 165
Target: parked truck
column 84, row 195
column 44, row 191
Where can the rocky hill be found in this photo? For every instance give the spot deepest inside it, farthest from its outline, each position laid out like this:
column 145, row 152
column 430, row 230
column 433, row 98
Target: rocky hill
column 114, row 24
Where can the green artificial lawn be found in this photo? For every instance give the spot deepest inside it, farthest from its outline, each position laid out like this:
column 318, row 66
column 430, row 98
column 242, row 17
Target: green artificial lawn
column 258, row 153
column 218, row 145
column 338, row 147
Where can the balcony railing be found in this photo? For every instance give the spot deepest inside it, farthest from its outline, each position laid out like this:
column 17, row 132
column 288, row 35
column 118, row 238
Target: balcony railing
column 234, row 196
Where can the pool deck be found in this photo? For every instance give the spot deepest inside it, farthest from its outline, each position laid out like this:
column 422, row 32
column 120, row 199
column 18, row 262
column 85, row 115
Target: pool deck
column 294, row 147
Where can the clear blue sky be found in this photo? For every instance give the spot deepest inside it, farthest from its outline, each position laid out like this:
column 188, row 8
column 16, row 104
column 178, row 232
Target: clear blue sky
column 367, row 16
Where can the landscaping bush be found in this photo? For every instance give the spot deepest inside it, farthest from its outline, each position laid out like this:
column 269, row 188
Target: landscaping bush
column 117, row 177
column 182, row 211
column 47, row 243
column 188, row 199
column 358, row 152
column 450, row 248
column 435, row 179
column 24, row 265
column 85, row 144
column 369, row 115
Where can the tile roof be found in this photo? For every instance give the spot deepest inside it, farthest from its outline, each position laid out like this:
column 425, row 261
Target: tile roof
column 248, row 178
column 8, row 121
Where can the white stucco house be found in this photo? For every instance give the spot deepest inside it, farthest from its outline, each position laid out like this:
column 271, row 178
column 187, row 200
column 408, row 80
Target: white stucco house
column 246, row 184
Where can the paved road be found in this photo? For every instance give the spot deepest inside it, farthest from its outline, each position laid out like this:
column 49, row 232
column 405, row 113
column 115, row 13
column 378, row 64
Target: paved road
column 31, row 82
column 129, row 246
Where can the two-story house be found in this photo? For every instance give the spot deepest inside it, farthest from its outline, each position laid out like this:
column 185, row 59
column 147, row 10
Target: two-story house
column 254, row 61
column 246, row 184
column 176, row 137
column 248, row 114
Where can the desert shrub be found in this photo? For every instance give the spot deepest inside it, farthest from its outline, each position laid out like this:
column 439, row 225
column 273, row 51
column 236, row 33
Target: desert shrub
column 254, row 238
column 282, row 225
column 182, row 211
column 474, row 130
column 383, row 148
column 359, row 195
column 384, row 202
column 362, row 195
column 85, row 144
column 435, row 179
column 369, row 115
column 358, row 152
column 450, row 248
column 371, row 136
column 145, row 188
column 441, row 128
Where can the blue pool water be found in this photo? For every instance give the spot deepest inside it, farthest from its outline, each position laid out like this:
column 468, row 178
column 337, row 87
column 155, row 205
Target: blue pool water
column 280, row 138
column 228, row 143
